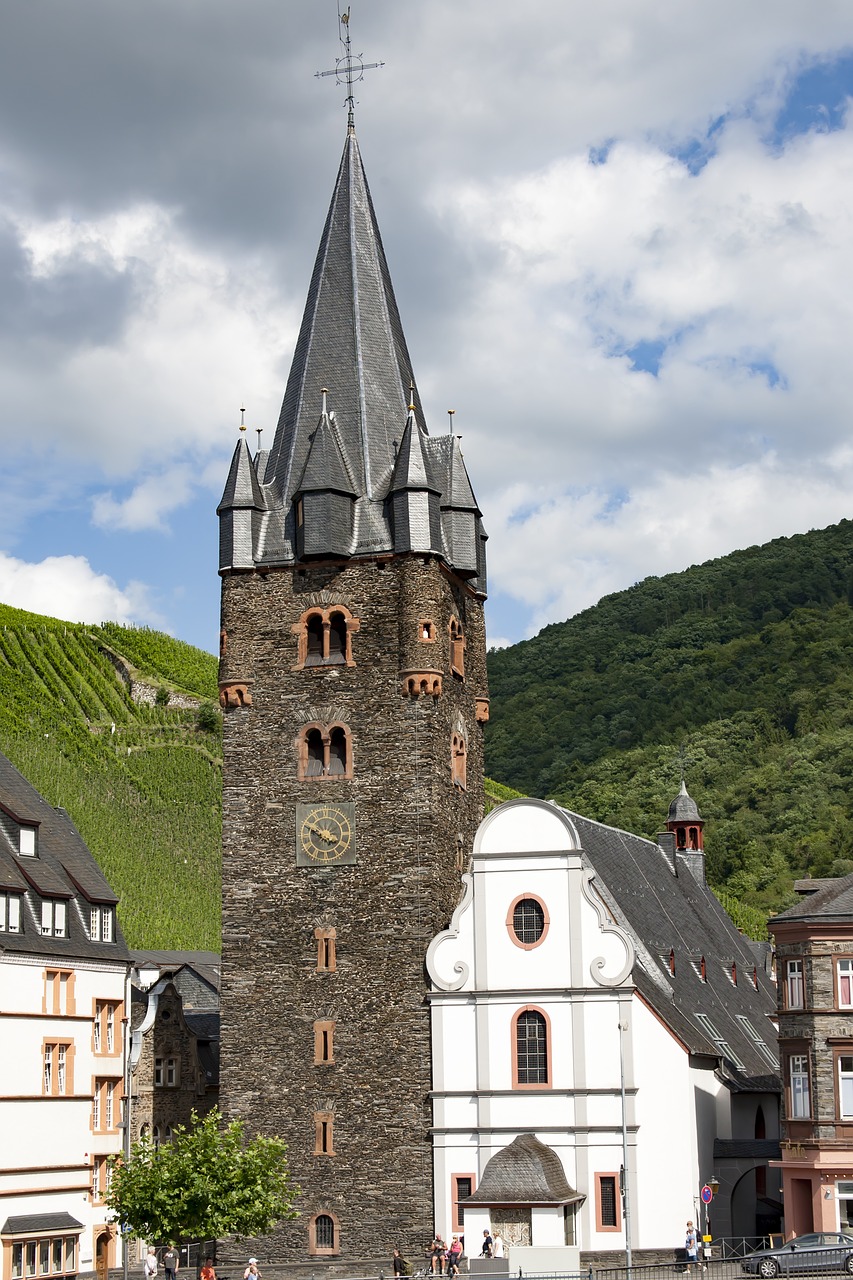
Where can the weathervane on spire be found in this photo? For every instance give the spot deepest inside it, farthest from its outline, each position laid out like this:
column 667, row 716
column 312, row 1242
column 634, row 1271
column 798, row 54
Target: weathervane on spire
column 348, row 69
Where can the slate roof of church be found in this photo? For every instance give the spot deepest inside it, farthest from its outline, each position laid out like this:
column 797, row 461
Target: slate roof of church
column 63, row 867
column 345, row 412
column 833, row 901
column 666, row 908
column 684, row 808
column 526, row 1172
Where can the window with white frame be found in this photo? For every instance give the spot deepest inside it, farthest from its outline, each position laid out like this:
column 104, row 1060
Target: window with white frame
column 798, row 1084
column 723, row 1047
column 761, row 1045
column 101, row 924
column 794, row 989
column 845, row 1086
column 27, row 841
column 845, row 984
column 54, row 918
column 103, row 1106
column 54, row 1256
column 105, row 1037
column 56, row 1078
column 10, row 912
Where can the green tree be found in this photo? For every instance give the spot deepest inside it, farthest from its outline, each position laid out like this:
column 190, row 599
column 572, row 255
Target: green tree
column 207, row 1183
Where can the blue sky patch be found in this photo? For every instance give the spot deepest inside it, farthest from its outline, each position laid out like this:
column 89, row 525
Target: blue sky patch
column 816, row 100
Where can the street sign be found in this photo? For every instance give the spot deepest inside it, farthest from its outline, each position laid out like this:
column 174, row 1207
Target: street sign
column 707, row 1194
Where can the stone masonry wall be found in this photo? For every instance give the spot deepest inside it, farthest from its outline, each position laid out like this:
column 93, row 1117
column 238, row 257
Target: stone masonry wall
column 413, row 827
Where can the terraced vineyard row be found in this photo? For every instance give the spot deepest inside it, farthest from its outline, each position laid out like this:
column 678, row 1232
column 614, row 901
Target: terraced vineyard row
column 142, row 783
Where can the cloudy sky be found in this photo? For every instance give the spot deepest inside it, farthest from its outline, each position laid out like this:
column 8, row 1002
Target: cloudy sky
column 621, row 236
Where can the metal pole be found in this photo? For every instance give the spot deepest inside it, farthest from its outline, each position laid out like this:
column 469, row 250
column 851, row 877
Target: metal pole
column 623, row 1027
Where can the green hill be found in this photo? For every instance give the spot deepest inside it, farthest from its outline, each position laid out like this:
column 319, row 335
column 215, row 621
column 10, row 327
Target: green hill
column 142, row 782
column 743, row 668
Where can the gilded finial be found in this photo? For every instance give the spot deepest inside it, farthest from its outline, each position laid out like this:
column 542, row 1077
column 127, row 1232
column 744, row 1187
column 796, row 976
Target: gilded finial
column 412, row 396
column 242, row 417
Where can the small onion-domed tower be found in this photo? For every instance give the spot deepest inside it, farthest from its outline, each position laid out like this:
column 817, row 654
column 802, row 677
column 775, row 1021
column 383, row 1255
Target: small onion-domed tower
column 685, row 822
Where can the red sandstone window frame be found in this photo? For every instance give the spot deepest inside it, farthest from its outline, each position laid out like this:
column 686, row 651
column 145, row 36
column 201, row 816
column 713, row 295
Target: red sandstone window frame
column 326, row 732
column 327, row 658
column 324, row 1133
column 458, row 1214
column 456, row 636
column 426, row 631
column 327, row 959
column 58, row 998
column 510, row 921
column 531, row 1084
column 600, row 1224
column 317, row 1250
column 324, row 1043
column 459, row 761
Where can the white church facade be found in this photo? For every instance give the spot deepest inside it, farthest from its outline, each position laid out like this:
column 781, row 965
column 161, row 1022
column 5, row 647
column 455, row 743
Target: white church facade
column 593, row 1010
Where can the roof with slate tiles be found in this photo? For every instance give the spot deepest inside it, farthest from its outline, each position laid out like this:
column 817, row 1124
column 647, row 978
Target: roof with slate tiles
column 833, row 901
column 526, row 1172
column 351, row 356
column 684, row 808
column 667, row 908
column 34, row 1223
column 62, row 867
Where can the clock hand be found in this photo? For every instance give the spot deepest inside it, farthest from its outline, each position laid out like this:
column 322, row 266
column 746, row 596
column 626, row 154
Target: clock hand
column 321, row 831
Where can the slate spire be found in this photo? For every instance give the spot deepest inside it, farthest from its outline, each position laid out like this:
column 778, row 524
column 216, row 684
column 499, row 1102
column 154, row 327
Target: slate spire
column 392, row 486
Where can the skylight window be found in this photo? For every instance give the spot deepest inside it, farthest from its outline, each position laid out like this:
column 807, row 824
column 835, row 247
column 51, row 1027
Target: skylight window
column 762, row 1047
column 723, row 1046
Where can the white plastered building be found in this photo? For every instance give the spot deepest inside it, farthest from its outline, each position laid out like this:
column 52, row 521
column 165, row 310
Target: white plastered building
column 564, row 1012
column 63, row 993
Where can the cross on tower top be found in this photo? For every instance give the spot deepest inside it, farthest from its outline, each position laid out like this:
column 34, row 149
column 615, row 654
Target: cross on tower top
column 348, row 69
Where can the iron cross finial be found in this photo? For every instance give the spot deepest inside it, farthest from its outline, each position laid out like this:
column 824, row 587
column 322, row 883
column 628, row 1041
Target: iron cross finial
column 348, row 69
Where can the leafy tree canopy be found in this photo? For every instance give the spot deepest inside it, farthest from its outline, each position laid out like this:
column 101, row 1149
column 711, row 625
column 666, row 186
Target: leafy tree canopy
column 207, row 1183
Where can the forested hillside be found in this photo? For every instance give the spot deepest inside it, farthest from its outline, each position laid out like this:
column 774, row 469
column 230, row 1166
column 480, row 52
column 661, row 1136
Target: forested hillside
column 741, row 669
column 143, row 783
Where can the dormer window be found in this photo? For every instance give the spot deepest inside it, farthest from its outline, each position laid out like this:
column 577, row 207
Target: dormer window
column 54, row 920
column 101, row 924
column 27, row 842
column 10, row 912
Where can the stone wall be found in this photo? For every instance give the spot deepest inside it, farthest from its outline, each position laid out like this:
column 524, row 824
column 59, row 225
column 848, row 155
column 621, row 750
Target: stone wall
column 414, row 830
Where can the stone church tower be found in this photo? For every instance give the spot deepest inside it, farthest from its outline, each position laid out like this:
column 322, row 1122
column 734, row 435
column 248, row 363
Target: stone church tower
column 353, row 681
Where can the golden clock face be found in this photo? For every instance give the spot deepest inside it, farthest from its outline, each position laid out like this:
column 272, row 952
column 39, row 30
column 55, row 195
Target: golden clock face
column 325, row 834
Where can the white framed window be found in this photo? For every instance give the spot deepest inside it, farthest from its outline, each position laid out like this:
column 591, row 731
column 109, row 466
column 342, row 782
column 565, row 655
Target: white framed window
column 47, row 1084
column 10, row 912
column 53, row 918
column 96, row 1107
column 101, row 924
column 794, row 989
column 105, row 1037
column 27, row 841
column 111, row 1028
column 109, row 1093
column 798, row 1081
column 845, row 1086
column 845, row 984
column 61, row 1061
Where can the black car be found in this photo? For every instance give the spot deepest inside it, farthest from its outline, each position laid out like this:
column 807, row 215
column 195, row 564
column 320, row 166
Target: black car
column 820, row 1251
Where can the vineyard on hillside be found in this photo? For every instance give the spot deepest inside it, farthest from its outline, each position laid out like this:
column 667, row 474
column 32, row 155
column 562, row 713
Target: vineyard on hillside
column 142, row 783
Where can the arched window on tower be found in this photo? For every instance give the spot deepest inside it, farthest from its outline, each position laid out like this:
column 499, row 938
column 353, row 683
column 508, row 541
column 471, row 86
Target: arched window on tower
column 337, row 752
column 323, row 1234
column 324, row 637
column 314, row 754
column 314, row 640
column 694, row 838
column 324, row 751
column 337, row 638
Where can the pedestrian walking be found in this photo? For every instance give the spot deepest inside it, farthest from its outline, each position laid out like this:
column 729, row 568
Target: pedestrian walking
column 171, row 1262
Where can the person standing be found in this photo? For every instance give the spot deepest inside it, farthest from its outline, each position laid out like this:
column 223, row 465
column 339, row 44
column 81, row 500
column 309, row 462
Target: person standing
column 171, row 1262
column 498, row 1245
column 398, row 1263
column 252, row 1272
column 691, row 1245
column 149, row 1266
column 486, row 1250
column 208, row 1272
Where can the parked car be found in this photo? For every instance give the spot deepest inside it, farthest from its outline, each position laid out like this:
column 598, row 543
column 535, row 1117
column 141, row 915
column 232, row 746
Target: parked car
column 820, row 1251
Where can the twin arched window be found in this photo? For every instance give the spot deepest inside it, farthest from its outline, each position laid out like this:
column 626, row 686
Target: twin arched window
column 324, row 637
column 325, row 751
